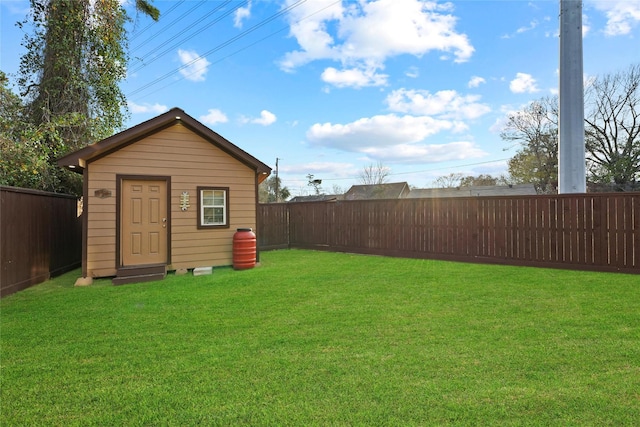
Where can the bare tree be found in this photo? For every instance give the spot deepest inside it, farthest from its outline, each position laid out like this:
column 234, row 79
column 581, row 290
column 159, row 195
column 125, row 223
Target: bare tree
column 612, row 128
column 448, row 181
column 456, row 179
column 482, row 179
column 535, row 130
column 336, row 189
column 374, row 174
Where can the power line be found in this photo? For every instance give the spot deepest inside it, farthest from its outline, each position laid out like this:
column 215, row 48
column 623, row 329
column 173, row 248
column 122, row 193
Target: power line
column 229, row 55
column 157, row 55
column 220, row 46
column 164, row 15
column 217, row 61
column 169, row 25
column 422, row 171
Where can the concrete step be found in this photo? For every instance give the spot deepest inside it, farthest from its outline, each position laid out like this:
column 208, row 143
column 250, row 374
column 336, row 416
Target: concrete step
column 139, row 274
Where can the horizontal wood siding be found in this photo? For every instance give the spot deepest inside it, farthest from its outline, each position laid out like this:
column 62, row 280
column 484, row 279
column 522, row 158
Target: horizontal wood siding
column 588, row 231
column 190, row 161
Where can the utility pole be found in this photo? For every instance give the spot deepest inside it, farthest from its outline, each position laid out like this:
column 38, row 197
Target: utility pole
column 277, row 182
column 571, row 147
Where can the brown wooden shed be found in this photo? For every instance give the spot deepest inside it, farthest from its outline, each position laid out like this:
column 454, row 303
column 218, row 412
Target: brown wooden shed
column 167, row 194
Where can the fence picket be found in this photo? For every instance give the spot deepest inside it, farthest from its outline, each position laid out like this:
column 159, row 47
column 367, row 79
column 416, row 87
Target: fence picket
column 41, row 237
column 590, row 231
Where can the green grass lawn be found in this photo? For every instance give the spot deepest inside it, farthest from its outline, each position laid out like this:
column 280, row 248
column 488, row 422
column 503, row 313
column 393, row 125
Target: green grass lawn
column 318, row 338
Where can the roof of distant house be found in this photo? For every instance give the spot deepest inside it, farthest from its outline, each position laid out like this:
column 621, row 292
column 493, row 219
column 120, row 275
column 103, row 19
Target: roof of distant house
column 316, row 198
column 395, row 190
column 474, row 191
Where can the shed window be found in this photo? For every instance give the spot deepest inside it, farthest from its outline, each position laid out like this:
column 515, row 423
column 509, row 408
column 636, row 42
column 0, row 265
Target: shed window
column 213, row 207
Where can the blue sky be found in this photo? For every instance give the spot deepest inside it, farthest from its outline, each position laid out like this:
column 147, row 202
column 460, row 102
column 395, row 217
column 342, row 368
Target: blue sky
column 329, row 87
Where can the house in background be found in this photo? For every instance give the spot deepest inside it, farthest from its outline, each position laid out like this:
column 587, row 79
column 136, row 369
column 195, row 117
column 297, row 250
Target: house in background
column 401, row 190
column 316, row 198
column 167, row 194
column 395, row 190
column 474, row 191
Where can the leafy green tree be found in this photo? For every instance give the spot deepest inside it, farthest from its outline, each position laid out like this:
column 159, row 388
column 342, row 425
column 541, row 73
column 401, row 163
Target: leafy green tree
column 69, row 75
column 25, row 159
column 535, row 130
column 267, row 191
column 16, row 166
column 482, row 179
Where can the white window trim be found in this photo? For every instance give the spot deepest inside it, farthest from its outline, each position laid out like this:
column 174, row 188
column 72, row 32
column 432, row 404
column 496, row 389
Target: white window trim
column 202, row 207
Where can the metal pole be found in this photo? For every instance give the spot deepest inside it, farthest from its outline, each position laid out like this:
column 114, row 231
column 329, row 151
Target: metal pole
column 277, row 182
column 571, row 148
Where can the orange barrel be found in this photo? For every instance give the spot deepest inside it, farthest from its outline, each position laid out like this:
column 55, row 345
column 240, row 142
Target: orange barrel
column 244, row 249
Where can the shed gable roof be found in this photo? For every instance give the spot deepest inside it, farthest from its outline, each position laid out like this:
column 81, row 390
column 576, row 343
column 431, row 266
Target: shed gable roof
column 79, row 159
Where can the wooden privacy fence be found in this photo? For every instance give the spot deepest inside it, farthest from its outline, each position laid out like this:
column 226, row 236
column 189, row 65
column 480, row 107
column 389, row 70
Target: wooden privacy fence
column 40, row 237
column 592, row 231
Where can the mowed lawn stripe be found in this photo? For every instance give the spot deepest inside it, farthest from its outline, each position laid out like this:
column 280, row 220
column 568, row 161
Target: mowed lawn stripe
column 318, row 338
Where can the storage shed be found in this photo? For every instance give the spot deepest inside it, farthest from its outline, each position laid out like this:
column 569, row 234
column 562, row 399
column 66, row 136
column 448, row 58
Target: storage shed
column 167, row 194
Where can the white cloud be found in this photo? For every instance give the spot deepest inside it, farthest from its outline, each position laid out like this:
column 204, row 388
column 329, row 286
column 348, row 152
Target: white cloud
column 266, row 118
column 444, row 103
column 426, row 153
column 240, row 14
column 523, row 83
column 412, row 72
column 213, row 117
column 476, row 81
column 353, row 77
column 311, row 33
column 622, row 15
column 394, row 139
column 586, row 25
column 363, row 35
column 400, row 136
column 147, row 108
column 194, row 67
column 328, row 168
column 378, row 131
column 390, row 27
column 532, row 25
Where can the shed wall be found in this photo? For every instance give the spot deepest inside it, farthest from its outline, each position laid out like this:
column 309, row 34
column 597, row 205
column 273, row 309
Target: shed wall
column 190, row 161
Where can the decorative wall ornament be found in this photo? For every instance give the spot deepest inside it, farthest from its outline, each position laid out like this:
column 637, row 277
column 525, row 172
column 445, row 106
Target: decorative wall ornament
column 184, row 200
column 102, row 193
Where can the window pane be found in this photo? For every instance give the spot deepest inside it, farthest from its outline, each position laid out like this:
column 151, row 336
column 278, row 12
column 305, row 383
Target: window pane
column 218, row 215
column 207, row 197
column 218, row 198
column 213, row 207
column 208, row 216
